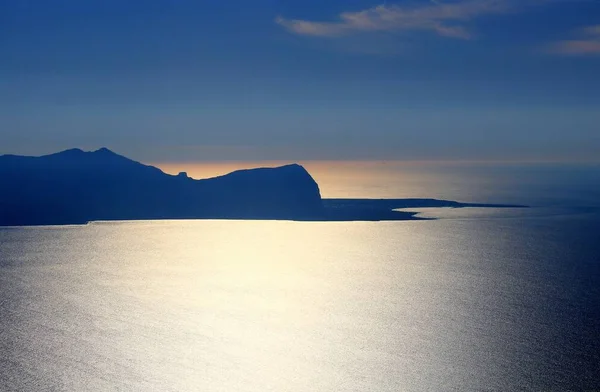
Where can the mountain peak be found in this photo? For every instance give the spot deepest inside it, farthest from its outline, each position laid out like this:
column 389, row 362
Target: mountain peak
column 79, row 154
column 104, row 150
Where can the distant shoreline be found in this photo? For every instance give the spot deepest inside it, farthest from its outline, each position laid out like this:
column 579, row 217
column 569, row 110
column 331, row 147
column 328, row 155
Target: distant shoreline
column 335, row 210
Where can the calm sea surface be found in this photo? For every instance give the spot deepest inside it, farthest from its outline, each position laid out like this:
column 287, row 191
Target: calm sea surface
column 479, row 300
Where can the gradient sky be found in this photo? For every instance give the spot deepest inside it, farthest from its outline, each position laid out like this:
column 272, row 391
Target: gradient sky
column 169, row 81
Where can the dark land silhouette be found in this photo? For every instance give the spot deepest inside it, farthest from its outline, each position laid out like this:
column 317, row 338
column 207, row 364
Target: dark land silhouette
column 76, row 187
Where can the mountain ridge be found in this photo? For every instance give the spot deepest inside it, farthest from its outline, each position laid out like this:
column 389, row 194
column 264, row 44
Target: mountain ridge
column 75, row 186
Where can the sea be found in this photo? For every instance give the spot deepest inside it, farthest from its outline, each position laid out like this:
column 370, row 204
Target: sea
column 474, row 300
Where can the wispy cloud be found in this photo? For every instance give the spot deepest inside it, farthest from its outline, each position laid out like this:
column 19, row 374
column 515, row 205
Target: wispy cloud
column 447, row 19
column 586, row 43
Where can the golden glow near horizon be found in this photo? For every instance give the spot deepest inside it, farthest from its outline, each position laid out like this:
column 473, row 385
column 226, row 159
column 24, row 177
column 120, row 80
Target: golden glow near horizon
column 208, row 169
column 344, row 179
column 451, row 180
column 335, row 178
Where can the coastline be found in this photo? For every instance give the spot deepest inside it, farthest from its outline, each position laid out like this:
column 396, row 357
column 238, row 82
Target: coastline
column 334, row 210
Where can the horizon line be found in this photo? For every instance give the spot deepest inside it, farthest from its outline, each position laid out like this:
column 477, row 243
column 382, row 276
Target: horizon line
column 378, row 161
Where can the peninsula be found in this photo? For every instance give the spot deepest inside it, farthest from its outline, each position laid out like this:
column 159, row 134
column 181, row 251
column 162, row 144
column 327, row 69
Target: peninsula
column 76, row 187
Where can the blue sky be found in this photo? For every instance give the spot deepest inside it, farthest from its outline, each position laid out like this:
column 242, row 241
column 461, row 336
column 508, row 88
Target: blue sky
column 297, row 80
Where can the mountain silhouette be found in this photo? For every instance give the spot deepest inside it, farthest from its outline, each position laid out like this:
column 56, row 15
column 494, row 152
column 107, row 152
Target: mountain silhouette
column 74, row 186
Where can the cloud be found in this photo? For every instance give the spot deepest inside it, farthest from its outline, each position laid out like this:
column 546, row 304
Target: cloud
column 445, row 19
column 587, row 43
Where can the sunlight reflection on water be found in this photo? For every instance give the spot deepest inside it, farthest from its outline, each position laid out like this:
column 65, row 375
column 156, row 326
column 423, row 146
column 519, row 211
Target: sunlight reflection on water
column 254, row 306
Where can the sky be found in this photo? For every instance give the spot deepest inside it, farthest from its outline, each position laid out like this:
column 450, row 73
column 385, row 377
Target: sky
column 186, row 81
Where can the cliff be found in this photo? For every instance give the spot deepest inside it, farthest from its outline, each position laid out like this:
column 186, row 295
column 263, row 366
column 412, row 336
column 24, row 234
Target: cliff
column 74, row 186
